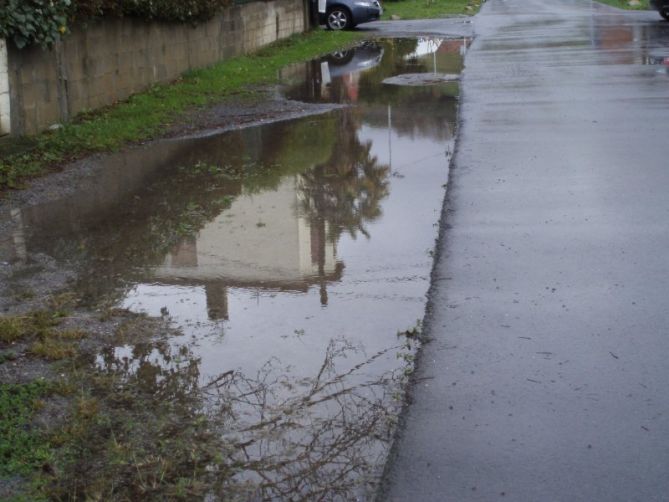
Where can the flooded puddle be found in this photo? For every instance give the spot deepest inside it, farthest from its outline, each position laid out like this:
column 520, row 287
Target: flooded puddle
column 289, row 255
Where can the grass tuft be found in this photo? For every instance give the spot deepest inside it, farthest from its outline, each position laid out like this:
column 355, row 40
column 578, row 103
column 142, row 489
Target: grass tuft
column 53, row 349
column 40, row 329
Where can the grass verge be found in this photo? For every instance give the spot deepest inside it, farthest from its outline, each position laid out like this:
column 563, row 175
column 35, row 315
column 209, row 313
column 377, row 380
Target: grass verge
column 429, row 9
column 627, row 4
column 144, row 116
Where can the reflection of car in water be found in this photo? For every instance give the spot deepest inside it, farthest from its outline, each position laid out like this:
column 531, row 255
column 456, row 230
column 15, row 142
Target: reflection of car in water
column 662, row 6
column 345, row 14
column 340, row 71
column 334, row 78
column 360, row 58
column 659, row 57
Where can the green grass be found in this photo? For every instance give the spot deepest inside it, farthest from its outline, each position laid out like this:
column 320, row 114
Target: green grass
column 148, row 114
column 625, row 4
column 22, row 450
column 428, row 9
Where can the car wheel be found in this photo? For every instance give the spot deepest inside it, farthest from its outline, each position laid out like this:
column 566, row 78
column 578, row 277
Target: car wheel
column 664, row 12
column 339, row 18
column 340, row 57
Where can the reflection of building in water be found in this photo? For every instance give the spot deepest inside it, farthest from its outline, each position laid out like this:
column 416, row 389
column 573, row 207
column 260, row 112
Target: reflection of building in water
column 261, row 241
column 439, row 54
column 627, row 43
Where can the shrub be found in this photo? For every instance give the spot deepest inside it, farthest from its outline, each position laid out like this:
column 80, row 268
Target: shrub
column 173, row 10
column 29, row 22
column 33, row 21
column 158, row 10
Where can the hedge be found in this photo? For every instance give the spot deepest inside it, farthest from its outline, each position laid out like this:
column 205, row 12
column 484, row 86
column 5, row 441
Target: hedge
column 42, row 22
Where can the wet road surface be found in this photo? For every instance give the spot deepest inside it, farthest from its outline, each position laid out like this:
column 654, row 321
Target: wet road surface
column 546, row 375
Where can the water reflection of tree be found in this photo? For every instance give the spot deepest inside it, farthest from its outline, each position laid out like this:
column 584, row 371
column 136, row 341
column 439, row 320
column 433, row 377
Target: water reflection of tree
column 268, row 436
column 346, row 191
column 343, row 193
column 323, row 437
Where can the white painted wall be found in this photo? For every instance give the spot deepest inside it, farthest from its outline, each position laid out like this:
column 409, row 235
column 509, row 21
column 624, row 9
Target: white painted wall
column 4, row 90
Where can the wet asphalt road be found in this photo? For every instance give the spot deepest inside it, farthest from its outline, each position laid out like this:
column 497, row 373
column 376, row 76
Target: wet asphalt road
column 547, row 377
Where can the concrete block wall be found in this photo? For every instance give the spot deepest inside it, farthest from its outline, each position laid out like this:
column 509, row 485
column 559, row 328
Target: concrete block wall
column 5, row 127
column 109, row 60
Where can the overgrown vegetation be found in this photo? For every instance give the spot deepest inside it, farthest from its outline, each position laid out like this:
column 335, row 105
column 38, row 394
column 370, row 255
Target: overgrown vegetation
column 141, row 424
column 146, row 115
column 122, row 434
column 28, row 22
column 42, row 22
column 162, row 10
column 428, row 9
column 136, row 435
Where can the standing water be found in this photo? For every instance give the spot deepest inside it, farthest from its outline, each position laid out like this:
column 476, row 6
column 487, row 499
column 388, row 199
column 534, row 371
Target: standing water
column 293, row 257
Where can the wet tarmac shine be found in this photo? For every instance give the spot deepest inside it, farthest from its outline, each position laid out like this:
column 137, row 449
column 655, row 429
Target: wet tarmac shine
column 546, row 376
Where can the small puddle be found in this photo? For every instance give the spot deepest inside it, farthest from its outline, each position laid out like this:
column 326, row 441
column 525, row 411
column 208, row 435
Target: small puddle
column 289, row 255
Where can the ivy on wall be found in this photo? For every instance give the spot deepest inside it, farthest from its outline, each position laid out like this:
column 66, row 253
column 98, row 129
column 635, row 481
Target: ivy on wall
column 27, row 22
column 42, row 22
column 162, row 10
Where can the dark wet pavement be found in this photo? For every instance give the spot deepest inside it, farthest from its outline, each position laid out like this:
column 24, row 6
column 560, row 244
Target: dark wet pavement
column 546, row 375
column 289, row 255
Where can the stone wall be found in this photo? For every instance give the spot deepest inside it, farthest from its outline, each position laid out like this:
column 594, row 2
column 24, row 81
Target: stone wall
column 109, row 60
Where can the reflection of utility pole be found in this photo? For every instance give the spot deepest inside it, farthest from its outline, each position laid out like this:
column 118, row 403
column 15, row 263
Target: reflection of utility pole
column 390, row 139
column 321, row 262
column 19, row 236
column 217, row 301
column 318, row 245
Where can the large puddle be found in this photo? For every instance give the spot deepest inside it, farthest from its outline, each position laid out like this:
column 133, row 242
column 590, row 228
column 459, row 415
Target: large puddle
column 290, row 256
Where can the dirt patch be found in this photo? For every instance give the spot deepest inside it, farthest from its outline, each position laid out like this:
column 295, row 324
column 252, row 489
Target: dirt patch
column 237, row 114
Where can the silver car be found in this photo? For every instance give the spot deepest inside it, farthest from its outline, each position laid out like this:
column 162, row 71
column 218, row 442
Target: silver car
column 345, row 14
